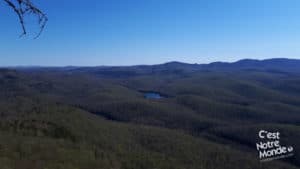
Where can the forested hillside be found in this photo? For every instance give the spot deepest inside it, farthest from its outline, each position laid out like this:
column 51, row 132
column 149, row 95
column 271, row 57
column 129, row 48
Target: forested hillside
column 98, row 117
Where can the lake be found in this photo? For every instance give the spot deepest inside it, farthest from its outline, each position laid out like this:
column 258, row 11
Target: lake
column 153, row 95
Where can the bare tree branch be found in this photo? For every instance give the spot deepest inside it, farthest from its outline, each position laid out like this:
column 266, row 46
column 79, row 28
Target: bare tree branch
column 25, row 7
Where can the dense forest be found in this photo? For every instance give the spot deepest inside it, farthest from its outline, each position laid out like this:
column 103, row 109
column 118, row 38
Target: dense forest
column 98, row 117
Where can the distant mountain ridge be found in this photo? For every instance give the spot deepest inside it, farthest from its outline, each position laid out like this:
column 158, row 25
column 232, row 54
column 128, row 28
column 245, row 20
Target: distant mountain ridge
column 274, row 65
column 278, row 64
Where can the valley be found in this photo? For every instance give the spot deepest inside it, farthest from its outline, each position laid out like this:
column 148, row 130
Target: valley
column 173, row 115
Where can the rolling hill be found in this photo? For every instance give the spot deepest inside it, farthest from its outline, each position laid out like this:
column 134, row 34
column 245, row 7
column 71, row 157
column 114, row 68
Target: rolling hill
column 98, row 117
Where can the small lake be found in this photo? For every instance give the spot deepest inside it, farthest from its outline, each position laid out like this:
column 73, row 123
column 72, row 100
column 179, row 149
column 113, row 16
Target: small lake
column 153, row 95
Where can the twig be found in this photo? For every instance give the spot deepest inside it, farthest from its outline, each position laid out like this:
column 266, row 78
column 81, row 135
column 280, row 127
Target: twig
column 24, row 7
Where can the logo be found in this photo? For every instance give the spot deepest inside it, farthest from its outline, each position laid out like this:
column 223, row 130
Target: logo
column 269, row 147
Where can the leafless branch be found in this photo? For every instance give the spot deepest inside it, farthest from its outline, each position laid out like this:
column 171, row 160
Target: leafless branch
column 25, row 7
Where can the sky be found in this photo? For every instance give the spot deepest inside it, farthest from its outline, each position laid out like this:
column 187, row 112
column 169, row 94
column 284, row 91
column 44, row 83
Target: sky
column 131, row 32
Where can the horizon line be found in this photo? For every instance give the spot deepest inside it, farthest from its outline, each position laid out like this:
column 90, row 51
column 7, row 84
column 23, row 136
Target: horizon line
column 64, row 66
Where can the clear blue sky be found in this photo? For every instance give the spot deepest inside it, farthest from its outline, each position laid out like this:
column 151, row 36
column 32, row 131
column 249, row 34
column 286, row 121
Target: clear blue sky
column 128, row 32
